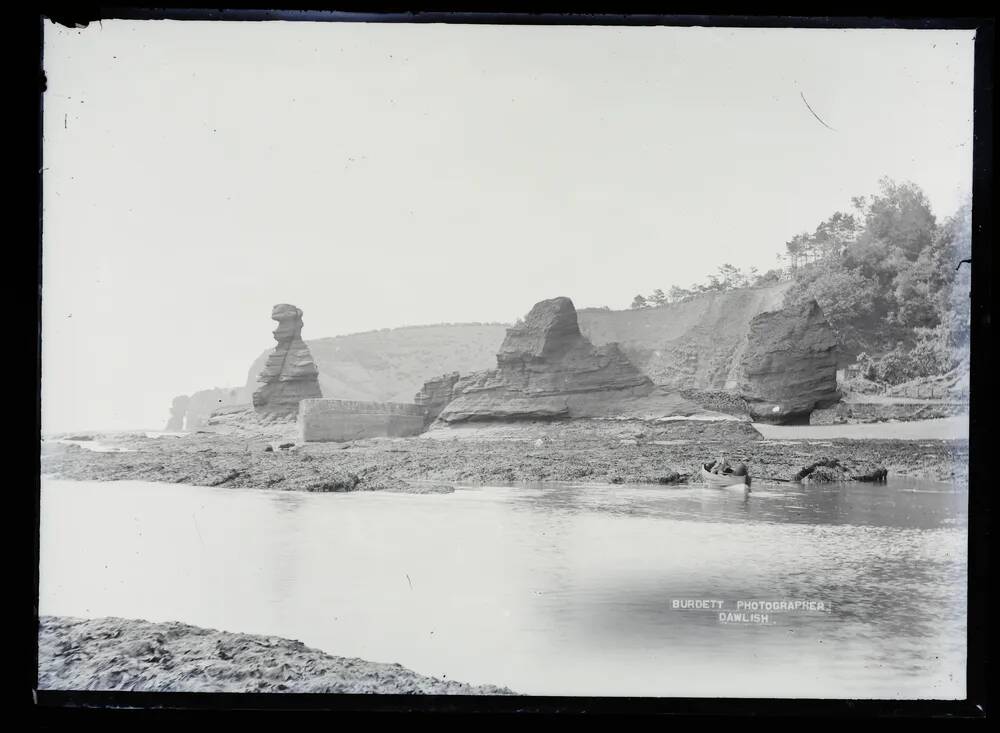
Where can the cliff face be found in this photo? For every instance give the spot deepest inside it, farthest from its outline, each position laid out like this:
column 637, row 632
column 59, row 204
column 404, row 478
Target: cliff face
column 192, row 412
column 547, row 369
column 692, row 345
column 780, row 360
column 289, row 375
column 391, row 365
column 203, row 403
column 789, row 364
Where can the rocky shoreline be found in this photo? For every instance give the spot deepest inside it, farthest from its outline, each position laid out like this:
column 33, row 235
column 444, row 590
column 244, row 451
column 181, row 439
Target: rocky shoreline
column 612, row 452
column 121, row 654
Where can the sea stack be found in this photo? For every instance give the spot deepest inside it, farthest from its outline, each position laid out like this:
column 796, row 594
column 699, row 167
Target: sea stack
column 178, row 409
column 290, row 375
column 545, row 369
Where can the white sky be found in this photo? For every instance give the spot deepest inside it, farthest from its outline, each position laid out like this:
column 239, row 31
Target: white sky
column 380, row 175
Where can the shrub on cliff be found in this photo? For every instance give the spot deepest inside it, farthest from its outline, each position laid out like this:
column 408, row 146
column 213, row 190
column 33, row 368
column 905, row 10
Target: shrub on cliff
column 889, row 284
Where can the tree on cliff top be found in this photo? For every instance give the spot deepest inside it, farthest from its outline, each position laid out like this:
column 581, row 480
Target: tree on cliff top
column 885, row 277
column 639, row 301
column 726, row 277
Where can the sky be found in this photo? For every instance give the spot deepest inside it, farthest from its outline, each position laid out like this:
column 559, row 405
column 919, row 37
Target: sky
column 195, row 173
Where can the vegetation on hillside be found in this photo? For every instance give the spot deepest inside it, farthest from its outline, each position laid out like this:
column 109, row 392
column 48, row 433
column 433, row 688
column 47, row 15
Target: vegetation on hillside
column 727, row 277
column 886, row 274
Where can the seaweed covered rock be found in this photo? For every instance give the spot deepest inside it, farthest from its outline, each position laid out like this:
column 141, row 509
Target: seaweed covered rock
column 834, row 469
column 141, row 656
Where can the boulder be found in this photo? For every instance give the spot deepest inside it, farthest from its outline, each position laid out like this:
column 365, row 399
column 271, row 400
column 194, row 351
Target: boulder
column 289, row 375
column 833, row 469
column 869, row 472
column 825, row 469
column 789, row 364
column 546, row 369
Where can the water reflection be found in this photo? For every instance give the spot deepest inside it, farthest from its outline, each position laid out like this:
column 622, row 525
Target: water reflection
column 289, row 520
column 559, row 589
column 900, row 504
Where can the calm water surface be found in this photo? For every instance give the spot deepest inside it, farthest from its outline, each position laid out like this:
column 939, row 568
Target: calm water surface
column 561, row 590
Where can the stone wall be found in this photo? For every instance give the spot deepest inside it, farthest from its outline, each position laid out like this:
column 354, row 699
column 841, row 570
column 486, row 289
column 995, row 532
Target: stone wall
column 328, row 420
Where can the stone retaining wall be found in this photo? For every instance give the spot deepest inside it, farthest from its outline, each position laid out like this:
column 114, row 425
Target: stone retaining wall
column 327, row 420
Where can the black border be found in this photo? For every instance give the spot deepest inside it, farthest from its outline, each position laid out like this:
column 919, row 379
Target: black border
column 56, row 708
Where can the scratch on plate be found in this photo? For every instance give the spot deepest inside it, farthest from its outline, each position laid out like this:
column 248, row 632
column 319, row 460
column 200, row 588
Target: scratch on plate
column 195, row 519
column 814, row 113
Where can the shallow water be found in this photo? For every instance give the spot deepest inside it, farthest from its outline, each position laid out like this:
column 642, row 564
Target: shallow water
column 555, row 590
column 943, row 428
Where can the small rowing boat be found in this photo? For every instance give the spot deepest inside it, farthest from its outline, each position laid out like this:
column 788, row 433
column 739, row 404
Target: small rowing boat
column 722, row 480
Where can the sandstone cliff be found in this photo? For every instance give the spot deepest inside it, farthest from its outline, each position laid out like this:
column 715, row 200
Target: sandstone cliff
column 777, row 362
column 436, row 394
column 682, row 346
column 289, row 375
column 192, row 412
column 204, row 403
column 789, row 364
column 391, row 364
column 691, row 345
column 695, row 348
column 780, row 360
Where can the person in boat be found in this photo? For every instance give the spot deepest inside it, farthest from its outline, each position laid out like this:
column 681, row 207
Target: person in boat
column 722, row 466
column 719, row 465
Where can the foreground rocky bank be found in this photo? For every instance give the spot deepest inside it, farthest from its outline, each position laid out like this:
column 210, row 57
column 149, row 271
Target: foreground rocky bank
column 604, row 452
column 121, row 654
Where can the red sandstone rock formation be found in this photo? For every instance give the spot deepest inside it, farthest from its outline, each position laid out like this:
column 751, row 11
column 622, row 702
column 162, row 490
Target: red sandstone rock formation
column 177, row 411
column 789, row 365
column 205, row 403
column 694, row 348
column 436, row 394
column 289, row 375
column 545, row 369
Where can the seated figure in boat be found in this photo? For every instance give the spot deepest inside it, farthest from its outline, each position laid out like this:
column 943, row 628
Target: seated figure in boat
column 722, row 466
column 719, row 465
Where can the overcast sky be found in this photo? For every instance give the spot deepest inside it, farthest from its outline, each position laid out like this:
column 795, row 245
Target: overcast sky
column 379, row 175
